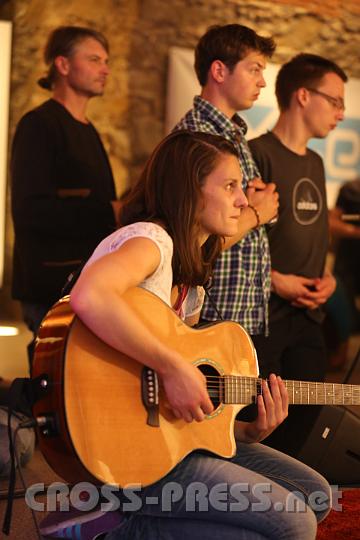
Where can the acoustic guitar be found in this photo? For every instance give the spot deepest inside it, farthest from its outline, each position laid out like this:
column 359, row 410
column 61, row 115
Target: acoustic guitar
column 104, row 415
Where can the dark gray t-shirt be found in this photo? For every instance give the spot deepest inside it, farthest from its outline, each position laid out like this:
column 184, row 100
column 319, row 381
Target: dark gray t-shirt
column 299, row 239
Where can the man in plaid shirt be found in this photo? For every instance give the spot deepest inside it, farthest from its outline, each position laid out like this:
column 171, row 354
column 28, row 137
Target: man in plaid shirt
column 229, row 63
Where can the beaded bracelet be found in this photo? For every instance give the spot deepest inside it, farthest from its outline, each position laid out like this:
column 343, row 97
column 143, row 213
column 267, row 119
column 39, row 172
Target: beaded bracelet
column 256, row 215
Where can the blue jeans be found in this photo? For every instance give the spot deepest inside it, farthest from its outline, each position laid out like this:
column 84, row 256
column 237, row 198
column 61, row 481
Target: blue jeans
column 260, row 493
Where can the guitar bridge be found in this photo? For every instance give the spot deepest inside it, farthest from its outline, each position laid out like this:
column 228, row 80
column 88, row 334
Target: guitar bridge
column 150, row 396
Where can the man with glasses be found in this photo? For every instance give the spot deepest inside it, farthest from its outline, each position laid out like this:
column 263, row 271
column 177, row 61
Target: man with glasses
column 336, row 102
column 310, row 95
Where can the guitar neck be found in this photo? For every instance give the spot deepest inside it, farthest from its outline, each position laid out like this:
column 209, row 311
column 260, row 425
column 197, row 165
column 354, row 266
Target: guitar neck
column 245, row 390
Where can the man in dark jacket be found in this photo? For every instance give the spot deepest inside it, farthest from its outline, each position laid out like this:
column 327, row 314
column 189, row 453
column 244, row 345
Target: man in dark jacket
column 63, row 193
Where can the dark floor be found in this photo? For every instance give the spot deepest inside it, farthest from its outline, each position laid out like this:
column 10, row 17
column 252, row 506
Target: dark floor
column 36, row 472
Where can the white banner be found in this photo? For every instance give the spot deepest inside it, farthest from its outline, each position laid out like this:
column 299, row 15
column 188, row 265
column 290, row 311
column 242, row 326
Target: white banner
column 5, row 62
column 340, row 150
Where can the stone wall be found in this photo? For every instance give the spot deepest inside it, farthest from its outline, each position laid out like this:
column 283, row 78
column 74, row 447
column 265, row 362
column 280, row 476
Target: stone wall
column 130, row 116
column 326, row 27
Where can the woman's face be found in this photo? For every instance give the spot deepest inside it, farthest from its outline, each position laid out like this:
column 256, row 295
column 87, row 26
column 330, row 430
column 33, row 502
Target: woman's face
column 222, row 199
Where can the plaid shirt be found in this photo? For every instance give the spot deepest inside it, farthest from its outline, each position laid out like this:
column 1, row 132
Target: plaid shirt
column 241, row 281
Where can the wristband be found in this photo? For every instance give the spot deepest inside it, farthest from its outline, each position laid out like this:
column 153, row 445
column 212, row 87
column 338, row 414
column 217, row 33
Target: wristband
column 256, row 215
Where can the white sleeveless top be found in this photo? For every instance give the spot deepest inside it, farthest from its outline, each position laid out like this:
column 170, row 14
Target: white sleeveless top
column 160, row 282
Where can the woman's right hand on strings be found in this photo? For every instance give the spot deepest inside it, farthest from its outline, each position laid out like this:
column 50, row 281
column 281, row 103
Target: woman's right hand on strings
column 95, row 302
column 186, row 391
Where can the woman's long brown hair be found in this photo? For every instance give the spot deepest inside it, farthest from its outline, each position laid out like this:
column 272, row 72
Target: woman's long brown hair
column 169, row 191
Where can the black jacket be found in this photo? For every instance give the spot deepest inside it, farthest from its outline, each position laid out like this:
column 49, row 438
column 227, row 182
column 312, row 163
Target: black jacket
column 62, row 186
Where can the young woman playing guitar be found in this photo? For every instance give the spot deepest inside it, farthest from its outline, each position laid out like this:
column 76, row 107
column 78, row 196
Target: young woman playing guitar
column 188, row 197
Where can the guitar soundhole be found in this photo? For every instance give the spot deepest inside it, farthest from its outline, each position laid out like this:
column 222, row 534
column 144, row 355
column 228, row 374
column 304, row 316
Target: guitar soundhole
column 214, row 383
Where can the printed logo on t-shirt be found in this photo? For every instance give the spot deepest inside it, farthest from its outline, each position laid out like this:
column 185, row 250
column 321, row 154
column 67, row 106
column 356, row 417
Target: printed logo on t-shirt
column 307, row 202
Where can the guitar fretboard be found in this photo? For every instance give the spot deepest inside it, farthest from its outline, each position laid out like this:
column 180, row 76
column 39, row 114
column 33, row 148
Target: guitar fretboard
column 234, row 389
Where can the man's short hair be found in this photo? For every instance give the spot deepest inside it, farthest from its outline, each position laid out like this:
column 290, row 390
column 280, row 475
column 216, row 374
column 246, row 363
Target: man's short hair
column 230, row 44
column 62, row 42
column 305, row 70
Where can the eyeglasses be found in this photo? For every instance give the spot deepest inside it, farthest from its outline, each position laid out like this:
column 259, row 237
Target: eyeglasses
column 338, row 103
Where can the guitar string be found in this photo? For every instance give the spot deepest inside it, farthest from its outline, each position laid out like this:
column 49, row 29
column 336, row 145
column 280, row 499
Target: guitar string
column 251, row 378
column 299, row 385
column 331, row 388
column 335, row 392
column 305, row 384
column 327, row 392
column 319, row 387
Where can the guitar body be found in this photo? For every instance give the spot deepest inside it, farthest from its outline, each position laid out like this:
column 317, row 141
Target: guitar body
column 99, row 429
